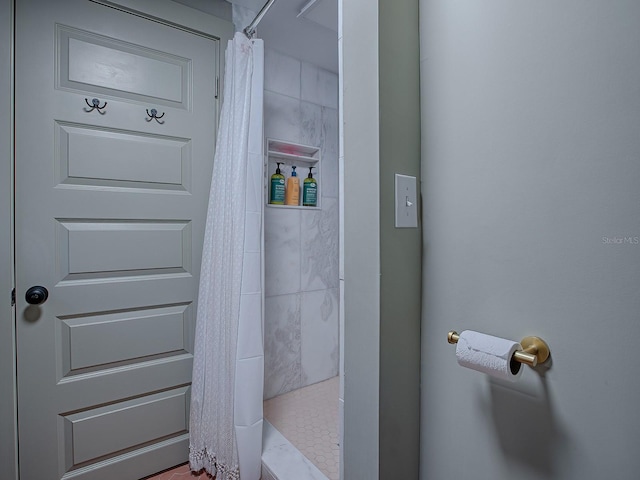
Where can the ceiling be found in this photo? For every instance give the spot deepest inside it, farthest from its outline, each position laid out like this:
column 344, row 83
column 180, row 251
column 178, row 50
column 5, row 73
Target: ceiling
column 304, row 29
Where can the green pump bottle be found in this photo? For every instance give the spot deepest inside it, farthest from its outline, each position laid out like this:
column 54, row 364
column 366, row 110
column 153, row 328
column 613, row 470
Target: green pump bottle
column 310, row 190
column 277, row 187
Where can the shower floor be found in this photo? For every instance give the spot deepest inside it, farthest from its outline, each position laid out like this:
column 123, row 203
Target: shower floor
column 308, row 418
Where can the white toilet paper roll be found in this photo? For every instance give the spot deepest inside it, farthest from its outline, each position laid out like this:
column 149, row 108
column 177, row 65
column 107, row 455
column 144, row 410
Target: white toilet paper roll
column 488, row 354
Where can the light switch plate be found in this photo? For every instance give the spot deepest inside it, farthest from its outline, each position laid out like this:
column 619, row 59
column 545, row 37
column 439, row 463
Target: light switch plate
column 406, row 202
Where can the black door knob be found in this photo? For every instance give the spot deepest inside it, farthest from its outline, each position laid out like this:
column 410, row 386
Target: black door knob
column 36, row 295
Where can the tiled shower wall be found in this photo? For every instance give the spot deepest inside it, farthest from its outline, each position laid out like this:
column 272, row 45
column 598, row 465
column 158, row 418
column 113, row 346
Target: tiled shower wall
column 301, row 246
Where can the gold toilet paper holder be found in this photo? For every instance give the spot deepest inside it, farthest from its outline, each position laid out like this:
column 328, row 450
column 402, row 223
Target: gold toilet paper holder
column 534, row 350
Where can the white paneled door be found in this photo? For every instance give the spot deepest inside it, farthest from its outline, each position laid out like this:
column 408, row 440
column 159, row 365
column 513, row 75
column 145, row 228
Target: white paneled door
column 111, row 198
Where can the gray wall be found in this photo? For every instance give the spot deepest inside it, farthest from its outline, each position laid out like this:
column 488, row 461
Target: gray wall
column 7, row 344
column 400, row 285
column 382, row 272
column 531, row 169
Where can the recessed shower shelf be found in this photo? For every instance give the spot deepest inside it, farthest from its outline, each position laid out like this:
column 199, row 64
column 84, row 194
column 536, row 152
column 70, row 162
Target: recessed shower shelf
column 292, row 150
column 291, row 157
column 289, row 154
column 292, row 207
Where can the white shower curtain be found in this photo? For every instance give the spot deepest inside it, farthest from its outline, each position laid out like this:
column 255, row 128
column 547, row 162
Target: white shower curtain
column 228, row 367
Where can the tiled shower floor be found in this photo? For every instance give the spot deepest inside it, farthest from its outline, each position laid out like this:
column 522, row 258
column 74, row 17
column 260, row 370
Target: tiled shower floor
column 308, row 418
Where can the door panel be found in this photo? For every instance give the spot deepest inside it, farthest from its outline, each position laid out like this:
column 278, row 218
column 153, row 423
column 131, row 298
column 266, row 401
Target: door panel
column 110, row 215
column 105, row 65
column 112, row 339
column 89, row 433
column 98, row 157
column 107, row 249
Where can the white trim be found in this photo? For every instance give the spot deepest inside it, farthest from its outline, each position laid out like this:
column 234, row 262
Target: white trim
column 360, row 223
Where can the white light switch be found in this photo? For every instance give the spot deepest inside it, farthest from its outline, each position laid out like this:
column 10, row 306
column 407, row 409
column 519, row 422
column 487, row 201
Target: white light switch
column 406, row 202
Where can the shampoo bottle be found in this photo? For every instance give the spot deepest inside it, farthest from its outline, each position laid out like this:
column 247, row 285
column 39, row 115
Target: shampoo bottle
column 310, row 191
column 277, row 187
column 292, row 196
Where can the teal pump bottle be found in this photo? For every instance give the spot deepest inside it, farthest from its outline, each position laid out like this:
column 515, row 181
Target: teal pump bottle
column 310, row 190
column 277, row 187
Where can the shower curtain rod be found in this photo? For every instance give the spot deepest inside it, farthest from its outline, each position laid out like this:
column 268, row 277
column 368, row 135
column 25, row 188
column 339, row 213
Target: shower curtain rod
column 251, row 29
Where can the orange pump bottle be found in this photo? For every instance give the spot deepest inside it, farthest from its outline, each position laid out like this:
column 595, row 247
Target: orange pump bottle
column 292, row 195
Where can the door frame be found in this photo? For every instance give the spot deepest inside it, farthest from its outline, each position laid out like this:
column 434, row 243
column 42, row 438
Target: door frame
column 165, row 11
column 8, row 405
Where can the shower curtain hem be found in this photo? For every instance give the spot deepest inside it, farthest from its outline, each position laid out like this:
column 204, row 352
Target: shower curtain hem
column 204, row 460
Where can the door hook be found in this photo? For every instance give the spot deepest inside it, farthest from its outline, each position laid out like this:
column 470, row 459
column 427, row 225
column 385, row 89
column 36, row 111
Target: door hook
column 154, row 114
column 95, row 105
